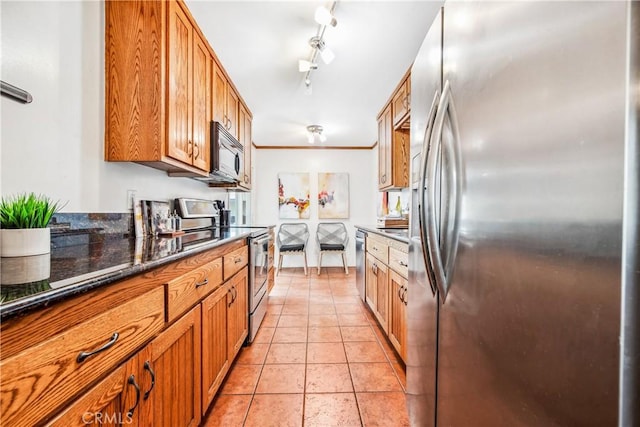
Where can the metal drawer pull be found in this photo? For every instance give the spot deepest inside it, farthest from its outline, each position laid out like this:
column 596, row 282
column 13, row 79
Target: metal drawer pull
column 84, row 354
column 147, row 367
column 237, row 260
column 203, row 283
column 403, row 264
column 132, row 381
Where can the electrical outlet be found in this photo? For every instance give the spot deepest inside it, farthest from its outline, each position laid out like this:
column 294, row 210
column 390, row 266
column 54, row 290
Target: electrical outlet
column 131, row 195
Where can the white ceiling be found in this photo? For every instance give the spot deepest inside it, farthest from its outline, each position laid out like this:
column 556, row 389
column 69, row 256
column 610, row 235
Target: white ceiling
column 259, row 44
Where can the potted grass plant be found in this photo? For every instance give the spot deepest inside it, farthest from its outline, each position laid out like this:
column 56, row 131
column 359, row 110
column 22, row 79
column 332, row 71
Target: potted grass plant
column 23, row 224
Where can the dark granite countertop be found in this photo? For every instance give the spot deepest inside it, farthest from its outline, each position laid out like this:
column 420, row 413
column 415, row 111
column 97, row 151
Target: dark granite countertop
column 400, row 234
column 81, row 262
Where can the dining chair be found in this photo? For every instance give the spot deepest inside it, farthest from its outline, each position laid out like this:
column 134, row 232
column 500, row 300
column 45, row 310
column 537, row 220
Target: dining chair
column 332, row 237
column 292, row 240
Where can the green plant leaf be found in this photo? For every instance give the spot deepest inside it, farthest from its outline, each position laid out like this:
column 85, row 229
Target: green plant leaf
column 27, row 211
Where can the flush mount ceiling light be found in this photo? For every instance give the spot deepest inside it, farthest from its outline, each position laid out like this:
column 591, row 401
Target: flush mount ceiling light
column 315, row 134
column 323, row 17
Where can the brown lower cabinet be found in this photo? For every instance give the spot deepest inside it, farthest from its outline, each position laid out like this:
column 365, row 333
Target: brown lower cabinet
column 386, row 290
column 152, row 357
column 377, row 290
column 224, row 330
column 158, row 386
column 398, row 313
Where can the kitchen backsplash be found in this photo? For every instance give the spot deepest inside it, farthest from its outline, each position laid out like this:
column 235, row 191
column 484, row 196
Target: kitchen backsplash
column 65, row 223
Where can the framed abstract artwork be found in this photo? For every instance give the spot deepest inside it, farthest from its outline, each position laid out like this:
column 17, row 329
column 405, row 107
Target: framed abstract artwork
column 293, row 195
column 333, row 195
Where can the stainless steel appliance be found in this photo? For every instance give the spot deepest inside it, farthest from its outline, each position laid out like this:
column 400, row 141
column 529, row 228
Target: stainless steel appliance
column 260, row 261
column 518, row 135
column 226, row 156
column 360, row 262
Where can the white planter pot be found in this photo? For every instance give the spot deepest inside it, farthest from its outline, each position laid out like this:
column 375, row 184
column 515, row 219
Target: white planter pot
column 26, row 269
column 25, row 242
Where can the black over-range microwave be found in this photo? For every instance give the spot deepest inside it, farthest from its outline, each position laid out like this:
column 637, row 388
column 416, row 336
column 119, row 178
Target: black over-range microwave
column 226, row 156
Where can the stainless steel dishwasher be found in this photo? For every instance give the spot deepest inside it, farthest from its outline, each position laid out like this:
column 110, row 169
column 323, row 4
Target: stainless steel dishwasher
column 360, row 262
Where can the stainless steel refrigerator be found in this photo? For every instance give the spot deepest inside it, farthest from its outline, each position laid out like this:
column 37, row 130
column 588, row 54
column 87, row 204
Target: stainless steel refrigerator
column 521, row 297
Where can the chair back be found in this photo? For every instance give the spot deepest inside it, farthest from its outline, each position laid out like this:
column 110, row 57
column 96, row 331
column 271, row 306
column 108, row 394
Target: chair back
column 332, row 233
column 292, row 234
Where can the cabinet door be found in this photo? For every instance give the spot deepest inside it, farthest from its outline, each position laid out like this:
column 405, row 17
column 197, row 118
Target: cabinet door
column 237, row 312
column 401, row 103
column 382, row 297
column 233, row 105
column 180, row 90
column 385, row 134
column 201, row 103
column 245, row 139
column 371, row 281
column 219, row 96
column 215, row 361
column 175, row 356
column 398, row 313
column 113, row 401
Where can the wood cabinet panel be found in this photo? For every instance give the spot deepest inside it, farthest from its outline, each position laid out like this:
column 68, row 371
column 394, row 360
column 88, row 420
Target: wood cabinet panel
column 401, row 103
column 180, row 85
column 398, row 313
column 202, row 62
column 175, row 356
column 399, row 261
column 237, row 312
column 186, row 290
column 385, row 134
column 376, row 292
column 219, row 95
column 377, row 246
column 42, row 378
column 233, row 105
column 245, row 138
column 234, row 261
column 215, row 360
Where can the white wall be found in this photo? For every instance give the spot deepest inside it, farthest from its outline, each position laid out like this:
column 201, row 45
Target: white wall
column 55, row 145
column 362, row 168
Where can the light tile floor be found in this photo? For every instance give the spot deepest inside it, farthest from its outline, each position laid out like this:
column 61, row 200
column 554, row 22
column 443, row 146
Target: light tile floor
column 319, row 359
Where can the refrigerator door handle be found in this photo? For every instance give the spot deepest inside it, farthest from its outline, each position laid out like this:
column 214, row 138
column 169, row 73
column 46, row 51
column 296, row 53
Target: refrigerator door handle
column 443, row 272
column 422, row 218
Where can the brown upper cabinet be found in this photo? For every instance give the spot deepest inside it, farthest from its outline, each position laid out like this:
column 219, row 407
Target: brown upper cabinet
column 393, row 139
column 245, row 138
column 225, row 102
column 401, row 104
column 164, row 85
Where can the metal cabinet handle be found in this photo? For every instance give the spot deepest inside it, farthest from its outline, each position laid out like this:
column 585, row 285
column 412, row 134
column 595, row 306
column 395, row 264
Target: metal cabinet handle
column 147, row 367
column 85, row 354
column 132, row 381
column 203, row 283
column 383, row 178
column 402, row 263
column 237, row 260
column 196, row 151
column 404, row 295
column 230, row 303
column 189, row 148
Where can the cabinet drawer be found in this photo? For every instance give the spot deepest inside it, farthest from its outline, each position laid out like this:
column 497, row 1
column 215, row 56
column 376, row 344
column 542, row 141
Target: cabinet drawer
column 378, row 248
column 40, row 379
column 399, row 262
column 234, row 261
column 185, row 291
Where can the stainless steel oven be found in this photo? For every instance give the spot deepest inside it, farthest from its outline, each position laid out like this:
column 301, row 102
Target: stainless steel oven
column 259, row 264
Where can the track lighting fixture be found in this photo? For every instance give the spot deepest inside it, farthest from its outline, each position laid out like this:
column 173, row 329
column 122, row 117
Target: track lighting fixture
column 323, row 17
column 315, row 134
